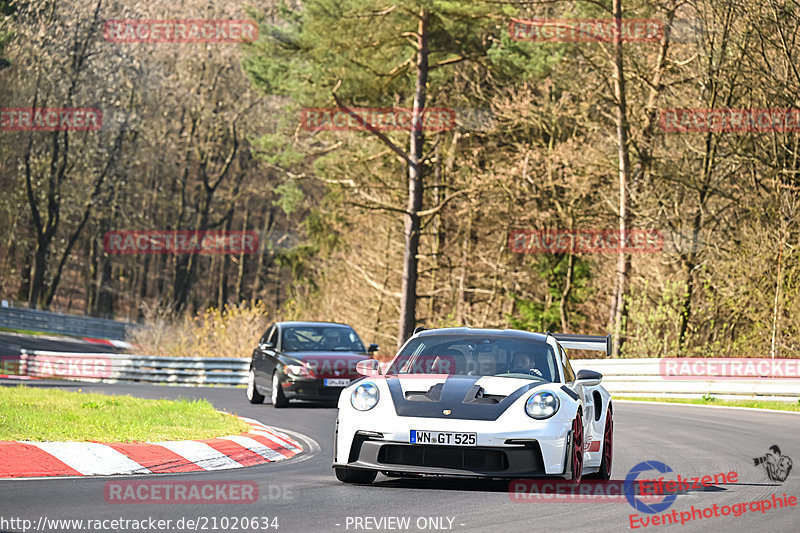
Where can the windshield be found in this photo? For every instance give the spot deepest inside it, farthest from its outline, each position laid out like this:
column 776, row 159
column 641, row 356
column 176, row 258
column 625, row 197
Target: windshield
column 477, row 355
column 320, row 339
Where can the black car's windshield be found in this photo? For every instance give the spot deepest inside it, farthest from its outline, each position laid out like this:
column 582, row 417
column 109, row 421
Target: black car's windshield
column 320, row 339
column 477, row 355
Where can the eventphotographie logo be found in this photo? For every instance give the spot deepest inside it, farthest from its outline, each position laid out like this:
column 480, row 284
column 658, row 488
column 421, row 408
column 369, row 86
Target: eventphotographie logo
column 776, row 465
column 634, row 498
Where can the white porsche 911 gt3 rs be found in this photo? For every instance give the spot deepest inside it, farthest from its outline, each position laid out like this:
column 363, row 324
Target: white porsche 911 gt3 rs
column 477, row 402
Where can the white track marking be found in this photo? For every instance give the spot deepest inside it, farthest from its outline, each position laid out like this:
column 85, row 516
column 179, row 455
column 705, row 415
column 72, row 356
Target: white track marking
column 255, row 447
column 276, row 438
column 200, row 454
column 91, row 458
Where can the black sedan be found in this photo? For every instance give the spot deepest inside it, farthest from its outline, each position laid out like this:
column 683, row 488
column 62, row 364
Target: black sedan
column 305, row 361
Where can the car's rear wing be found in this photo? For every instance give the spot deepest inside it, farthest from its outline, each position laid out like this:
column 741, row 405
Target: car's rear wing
column 598, row 343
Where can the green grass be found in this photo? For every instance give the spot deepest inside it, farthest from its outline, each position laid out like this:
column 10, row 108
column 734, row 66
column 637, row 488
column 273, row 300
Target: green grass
column 45, row 414
column 30, row 332
column 711, row 400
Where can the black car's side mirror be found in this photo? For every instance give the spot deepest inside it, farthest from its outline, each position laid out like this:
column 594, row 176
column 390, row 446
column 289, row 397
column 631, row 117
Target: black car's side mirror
column 373, row 348
column 266, row 346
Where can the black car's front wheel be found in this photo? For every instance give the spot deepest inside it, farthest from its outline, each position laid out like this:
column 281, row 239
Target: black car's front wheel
column 353, row 475
column 252, row 391
column 277, row 396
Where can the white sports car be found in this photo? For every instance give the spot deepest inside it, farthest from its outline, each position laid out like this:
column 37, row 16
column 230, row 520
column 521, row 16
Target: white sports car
column 477, row 402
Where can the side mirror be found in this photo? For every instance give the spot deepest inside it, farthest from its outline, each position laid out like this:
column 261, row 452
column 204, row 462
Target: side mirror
column 368, row 367
column 373, row 348
column 266, row 346
column 589, row 377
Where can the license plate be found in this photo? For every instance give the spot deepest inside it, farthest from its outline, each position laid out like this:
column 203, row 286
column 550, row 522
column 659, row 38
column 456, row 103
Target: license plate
column 339, row 382
column 443, row 438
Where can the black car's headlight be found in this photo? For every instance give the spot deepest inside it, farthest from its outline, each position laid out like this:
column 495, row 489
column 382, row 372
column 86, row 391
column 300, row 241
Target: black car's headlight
column 364, row 397
column 542, row 405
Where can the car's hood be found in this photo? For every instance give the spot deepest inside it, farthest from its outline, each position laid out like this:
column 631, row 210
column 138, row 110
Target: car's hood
column 330, row 364
column 469, row 397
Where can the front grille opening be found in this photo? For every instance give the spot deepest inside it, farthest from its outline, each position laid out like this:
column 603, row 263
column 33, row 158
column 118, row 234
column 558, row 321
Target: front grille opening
column 474, row 459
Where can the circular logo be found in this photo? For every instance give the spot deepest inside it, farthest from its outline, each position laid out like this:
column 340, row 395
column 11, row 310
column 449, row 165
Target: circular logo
column 630, row 488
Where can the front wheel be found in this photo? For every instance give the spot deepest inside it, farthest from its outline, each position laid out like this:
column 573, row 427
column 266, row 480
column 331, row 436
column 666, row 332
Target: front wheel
column 278, row 398
column 608, row 450
column 252, row 391
column 576, row 450
column 352, row 475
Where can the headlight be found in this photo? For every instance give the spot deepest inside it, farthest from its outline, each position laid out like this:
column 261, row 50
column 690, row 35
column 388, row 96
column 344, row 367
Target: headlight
column 364, row 397
column 542, row 405
column 296, row 371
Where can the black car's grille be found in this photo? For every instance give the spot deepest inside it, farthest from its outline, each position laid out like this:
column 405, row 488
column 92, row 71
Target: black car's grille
column 477, row 459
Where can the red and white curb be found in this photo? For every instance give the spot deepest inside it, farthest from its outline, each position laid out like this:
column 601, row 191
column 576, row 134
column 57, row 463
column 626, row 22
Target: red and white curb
column 262, row 444
column 109, row 342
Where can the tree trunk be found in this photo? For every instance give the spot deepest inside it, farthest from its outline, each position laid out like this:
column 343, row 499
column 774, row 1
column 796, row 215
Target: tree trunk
column 562, row 306
column 624, row 259
column 408, row 291
column 242, row 257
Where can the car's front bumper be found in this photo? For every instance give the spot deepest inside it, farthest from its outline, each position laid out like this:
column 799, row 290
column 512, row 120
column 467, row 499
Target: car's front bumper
column 373, row 453
column 537, row 450
column 310, row 389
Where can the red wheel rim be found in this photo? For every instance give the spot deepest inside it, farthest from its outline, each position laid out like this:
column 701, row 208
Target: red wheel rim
column 577, row 459
column 608, row 442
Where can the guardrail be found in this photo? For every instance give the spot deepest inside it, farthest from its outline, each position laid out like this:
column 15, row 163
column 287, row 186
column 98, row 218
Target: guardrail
column 113, row 367
column 49, row 322
column 621, row 377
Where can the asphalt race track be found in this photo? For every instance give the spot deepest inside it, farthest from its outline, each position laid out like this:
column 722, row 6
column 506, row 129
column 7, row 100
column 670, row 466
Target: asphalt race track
column 304, row 496
column 11, row 343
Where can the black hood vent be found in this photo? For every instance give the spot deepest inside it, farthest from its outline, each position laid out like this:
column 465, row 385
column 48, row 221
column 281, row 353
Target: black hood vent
column 458, row 395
